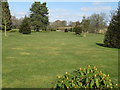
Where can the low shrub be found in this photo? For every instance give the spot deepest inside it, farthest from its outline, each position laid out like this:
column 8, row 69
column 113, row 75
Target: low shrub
column 77, row 30
column 85, row 78
column 65, row 30
column 53, row 29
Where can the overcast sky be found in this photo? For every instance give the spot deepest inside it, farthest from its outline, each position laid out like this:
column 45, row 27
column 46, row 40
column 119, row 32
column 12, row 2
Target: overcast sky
column 69, row 11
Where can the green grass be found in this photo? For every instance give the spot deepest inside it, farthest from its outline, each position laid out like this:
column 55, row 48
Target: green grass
column 34, row 61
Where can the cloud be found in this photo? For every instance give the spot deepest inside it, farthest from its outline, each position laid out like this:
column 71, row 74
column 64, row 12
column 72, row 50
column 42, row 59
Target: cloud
column 98, row 3
column 64, row 14
column 105, row 8
column 19, row 14
column 58, row 10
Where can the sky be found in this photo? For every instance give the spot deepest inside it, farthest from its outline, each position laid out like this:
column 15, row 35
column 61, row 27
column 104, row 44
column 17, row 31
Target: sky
column 69, row 11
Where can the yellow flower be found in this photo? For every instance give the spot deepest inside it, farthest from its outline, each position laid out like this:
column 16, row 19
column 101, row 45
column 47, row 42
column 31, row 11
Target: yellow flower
column 103, row 78
column 66, row 72
column 95, row 75
column 88, row 66
column 84, row 69
column 116, row 84
column 67, row 78
column 94, row 67
column 76, row 85
column 58, row 76
column 72, row 81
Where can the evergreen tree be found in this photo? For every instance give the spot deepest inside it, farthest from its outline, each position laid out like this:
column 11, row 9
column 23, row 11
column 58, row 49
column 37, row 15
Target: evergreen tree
column 25, row 26
column 85, row 25
column 6, row 16
column 39, row 18
column 112, row 37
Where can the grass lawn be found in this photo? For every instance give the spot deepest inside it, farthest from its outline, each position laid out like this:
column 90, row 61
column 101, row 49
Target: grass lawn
column 34, row 61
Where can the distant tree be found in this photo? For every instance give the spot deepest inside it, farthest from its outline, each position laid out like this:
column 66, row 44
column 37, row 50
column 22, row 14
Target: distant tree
column 16, row 22
column 39, row 16
column 25, row 26
column 97, row 22
column 56, row 24
column 85, row 25
column 59, row 23
column 77, row 28
column 112, row 37
column 72, row 24
column 6, row 17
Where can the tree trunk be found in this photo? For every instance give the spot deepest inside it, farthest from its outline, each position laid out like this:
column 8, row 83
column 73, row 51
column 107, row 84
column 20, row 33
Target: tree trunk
column 84, row 34
column 5, row 29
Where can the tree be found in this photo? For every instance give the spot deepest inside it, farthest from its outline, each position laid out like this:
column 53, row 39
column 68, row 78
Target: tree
column 56, row 24
column 112, row 37
column 39, row 16
column 85, row 25
column 77, row 28
column 6, row 17
column 97, row 22
column 16, row 22
column 25, row 26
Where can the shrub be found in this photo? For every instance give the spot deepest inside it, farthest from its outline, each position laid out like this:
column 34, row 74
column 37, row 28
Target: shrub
column 85, row 78
column 78, row 30
column 25, row 27
column 66, row 30
column 53, row 29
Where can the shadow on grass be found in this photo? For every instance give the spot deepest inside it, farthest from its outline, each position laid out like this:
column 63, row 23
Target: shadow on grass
column 100, row 44
column 103, row 45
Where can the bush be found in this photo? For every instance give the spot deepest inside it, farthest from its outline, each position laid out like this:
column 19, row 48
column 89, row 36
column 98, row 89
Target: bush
column 78, row 30
column 25, row 27
column 85, row 78
column 66, row 30
column 53, row 29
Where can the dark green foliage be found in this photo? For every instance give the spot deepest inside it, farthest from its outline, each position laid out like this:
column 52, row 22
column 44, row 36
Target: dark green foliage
column 85, row 24
column 39, row 18
column 85, row 78
column 66, row 30
column 25, row 26
column 70, row 30
column 6, row 16
column 52, row 29
column 77, row 28
column 112, row 37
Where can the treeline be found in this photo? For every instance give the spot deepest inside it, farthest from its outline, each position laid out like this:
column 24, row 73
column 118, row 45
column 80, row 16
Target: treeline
column 37, row 19
column 91, row 24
